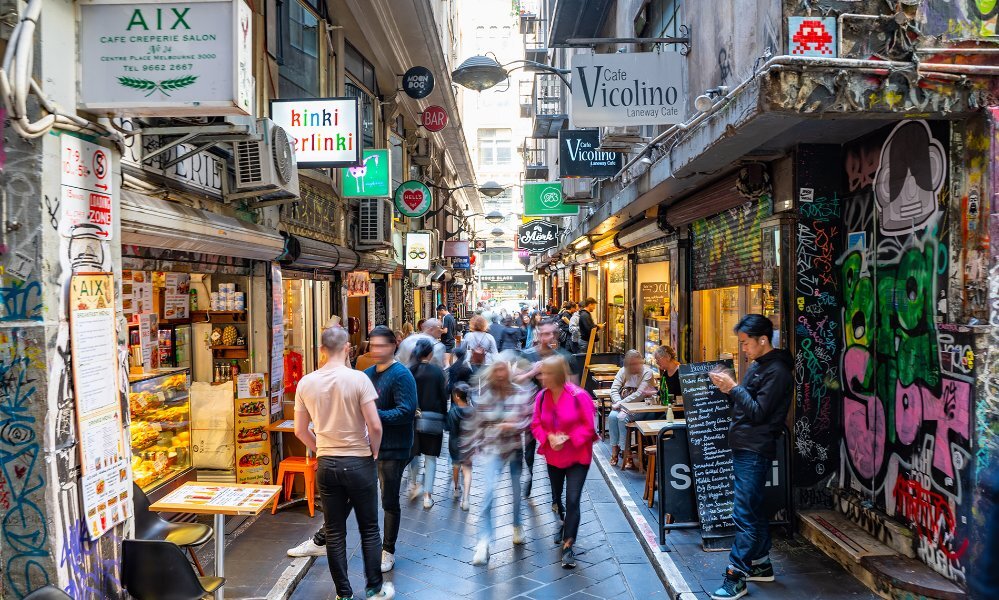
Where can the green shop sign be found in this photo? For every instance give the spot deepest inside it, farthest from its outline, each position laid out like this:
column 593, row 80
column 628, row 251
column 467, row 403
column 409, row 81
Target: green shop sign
column 545, row 200
column 413, row 198
column 370, row 179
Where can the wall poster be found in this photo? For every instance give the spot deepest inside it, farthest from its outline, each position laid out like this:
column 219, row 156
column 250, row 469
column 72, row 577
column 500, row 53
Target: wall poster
column 106, row 481
column 277, row 339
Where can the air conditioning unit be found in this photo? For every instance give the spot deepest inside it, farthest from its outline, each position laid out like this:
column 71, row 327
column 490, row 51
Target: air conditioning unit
column 577, row 188
column 267, row 166
column 374, row 223
column 622, row 139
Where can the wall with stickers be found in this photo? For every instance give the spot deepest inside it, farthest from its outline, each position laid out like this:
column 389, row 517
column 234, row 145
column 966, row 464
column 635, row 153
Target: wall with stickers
column 890, row 329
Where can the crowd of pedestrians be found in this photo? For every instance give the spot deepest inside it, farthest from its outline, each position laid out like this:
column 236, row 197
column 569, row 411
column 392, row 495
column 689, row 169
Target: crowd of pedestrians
column 500, row 400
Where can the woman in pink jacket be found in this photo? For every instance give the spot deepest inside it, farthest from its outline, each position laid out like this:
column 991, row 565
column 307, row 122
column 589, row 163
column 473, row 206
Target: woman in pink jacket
column 563, row 426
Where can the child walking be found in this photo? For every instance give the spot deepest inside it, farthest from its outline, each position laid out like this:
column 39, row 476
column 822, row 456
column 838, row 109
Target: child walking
column 457, row 415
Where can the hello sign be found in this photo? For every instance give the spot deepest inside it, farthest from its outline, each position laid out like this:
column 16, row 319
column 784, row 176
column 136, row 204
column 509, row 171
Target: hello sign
column 413, row 198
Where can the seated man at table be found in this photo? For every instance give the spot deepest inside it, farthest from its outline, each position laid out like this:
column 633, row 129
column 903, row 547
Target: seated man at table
column 633, row 383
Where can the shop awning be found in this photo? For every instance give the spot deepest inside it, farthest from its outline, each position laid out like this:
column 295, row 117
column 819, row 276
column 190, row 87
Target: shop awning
column 302, row 253
column 376, row 263
column 156, row 223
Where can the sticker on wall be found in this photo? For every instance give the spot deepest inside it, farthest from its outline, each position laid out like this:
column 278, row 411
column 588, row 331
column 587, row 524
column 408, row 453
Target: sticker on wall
column 812, row 36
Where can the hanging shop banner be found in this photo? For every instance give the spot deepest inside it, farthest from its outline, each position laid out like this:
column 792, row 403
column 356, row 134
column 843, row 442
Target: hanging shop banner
column 277, row 338
column 103, row 453
column 620, row 90
column 456, row 248
column 413, row 198
column 537, row 236
column 462, row 262
column 87, row 185
column 324, row 131
column 418, row 82
column 370, row 179
column 545, row 200
column 480, row 245
column 418, row 251
column 434, row 118
column 153, row 58
column 358, row 284
column 579, row 155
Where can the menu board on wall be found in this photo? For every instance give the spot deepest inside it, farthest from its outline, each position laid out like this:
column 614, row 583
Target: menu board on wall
column 655, row 298
column 177, row 296
column 253, row 448
column 277, row 339
column 103, row 454
column 149, row 340
column 142, row 292
column 708, row 417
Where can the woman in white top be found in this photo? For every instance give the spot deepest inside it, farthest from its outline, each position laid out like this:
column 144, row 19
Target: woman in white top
column 631, row 384
column 481, row 346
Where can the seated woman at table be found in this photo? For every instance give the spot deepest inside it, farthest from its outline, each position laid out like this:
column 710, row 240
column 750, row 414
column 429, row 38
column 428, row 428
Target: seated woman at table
column 633, row 383
column 669, row 374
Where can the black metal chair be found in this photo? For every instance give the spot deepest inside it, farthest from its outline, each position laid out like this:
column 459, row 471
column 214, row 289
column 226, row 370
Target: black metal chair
column 151, row 526
column 158, row 570
column 49, row 592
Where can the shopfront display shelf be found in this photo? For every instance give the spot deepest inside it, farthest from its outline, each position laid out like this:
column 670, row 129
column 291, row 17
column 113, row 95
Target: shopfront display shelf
column 237, row 352
column 218, row 316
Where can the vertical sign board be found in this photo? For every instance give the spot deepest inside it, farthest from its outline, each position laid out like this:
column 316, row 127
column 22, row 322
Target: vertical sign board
column 106, row 480
column 86, row 190
column 707, row 414
column 253, row 448
column 148, row 57
column 277, row 338
column 370, row 179
column 325, row 132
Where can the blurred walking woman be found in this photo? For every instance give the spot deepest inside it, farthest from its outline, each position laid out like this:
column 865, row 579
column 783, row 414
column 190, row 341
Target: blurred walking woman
column 431, row 391
column 502, row 414
column 563, row 426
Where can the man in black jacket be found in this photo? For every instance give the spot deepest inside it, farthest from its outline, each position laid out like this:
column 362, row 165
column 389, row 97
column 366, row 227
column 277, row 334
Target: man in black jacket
column 759, row 408
column 586, row 324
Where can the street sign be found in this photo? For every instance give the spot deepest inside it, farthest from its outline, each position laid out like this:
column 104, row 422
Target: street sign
column 434, row 118
column 545, row 200
column 370, row 179
column 413, row 198
column 418, row 82
column 538, row 236
column 639, row 88
column 480, row 245
column 87, row 187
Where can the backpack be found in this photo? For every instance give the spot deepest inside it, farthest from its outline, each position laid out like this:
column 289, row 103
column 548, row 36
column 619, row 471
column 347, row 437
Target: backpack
column 477, row 355
column 574, row 328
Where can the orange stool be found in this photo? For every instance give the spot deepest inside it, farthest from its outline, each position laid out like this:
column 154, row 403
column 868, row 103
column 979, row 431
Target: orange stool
column 286, row 475
column 650, row 476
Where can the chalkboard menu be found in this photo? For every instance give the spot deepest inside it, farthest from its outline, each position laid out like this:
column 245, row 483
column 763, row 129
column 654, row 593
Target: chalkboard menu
column 708, row 415
column 381, row 302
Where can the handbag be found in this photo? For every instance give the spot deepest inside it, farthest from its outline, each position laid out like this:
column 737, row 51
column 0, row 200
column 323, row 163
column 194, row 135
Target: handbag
column 430, row 423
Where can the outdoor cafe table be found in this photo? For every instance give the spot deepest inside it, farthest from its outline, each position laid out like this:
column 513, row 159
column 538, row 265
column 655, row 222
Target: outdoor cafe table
column 604, row 369
column 641, row 408
column 218, row 499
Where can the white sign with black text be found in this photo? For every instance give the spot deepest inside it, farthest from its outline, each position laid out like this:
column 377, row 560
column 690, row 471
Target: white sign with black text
column 644, row 88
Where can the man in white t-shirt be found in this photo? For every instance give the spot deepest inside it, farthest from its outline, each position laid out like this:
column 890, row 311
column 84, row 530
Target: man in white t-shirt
column 346, row 435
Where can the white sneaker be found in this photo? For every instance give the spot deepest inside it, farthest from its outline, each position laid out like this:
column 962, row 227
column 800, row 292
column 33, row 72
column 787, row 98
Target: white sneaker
column 387, row 592
column 428, row 502
column 415, row 491
column 518, row 534
column 388, row 563
column 481, row 554
column 456, row 493
column 464, row 503
column 307, row 548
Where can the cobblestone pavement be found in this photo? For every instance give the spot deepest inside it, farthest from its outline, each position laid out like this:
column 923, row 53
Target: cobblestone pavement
column 434, row 552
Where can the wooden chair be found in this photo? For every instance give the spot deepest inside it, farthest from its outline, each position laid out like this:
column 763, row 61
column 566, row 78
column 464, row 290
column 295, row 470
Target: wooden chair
column 650, row 476
column 287, row 470
column 633, row 448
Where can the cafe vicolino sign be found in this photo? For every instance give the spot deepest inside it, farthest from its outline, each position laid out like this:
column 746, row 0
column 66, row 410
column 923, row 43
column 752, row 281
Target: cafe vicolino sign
column 538, row 236
column 643, row 88
column 156, row 58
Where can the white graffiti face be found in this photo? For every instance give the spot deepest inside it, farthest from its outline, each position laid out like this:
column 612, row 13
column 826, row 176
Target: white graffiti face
column 910, row 175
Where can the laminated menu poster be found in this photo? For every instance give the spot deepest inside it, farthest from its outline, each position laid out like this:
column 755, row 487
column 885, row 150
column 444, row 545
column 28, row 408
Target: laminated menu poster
column 253, row 447
column 177, row 296
column 106, row 482
column 277, row 339
column 708, row 416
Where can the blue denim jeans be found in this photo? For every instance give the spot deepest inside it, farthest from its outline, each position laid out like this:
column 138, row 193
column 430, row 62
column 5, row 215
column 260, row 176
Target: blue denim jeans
column 617, row 422
column 492, row 469
column 429, row 472
column 752, row 536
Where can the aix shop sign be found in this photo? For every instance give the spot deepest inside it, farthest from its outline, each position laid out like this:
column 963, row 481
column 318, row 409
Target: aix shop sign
column 538, row 236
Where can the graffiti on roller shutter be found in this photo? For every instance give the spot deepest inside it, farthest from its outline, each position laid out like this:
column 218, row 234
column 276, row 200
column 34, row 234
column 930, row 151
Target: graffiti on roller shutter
column 729, row 245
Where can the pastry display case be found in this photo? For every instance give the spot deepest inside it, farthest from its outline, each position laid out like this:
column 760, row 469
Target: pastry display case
column 159, row 405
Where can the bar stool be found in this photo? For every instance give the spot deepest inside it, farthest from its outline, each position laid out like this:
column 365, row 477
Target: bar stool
column 650, row 476
column 287, row 470
column 633, row 448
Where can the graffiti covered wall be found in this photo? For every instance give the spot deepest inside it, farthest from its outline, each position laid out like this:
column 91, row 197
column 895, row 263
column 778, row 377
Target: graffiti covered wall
column 907, row 380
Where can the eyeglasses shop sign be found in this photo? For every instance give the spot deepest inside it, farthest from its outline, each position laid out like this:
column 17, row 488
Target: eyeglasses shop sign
column 152, row 58
column 643, row 88
column 538, row 236
column 418, row 251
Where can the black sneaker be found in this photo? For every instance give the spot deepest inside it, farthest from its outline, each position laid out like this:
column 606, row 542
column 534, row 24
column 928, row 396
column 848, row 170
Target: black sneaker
column 528, row 485
column 732, row 587
column 763, row 571
column 568, row 558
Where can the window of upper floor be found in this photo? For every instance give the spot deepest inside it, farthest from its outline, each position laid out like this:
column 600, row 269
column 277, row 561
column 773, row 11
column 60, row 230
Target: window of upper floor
column 495, row 147
column 299, row 47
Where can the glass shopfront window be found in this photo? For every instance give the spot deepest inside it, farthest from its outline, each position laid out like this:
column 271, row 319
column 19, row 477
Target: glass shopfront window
column 718, row 311
column 617, row 294
column 299, row 51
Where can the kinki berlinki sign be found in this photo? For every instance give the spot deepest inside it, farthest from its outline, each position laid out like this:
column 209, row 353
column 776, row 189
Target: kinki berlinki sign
column 538, row 236
column 644, row 88
column 324, row 131
column 579, row 155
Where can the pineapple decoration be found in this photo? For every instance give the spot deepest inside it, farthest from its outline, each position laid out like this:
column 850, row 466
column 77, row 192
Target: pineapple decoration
column 229, row 335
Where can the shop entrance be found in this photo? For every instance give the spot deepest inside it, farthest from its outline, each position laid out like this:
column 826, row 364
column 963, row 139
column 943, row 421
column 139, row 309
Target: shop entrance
column 716, row 312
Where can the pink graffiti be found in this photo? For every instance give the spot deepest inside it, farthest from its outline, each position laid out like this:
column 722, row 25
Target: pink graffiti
column 861, row 164
column 915, row 405
column 931, row 513
column 863, row 417
column 908, row 412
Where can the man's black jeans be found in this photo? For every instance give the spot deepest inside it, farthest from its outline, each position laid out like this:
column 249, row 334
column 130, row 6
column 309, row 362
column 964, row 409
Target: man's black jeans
column 347, row 482
column 390, row 475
